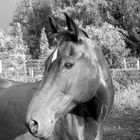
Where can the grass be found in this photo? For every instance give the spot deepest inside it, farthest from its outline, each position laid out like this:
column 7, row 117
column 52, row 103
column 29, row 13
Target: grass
column 128, row 99
column 127, row 94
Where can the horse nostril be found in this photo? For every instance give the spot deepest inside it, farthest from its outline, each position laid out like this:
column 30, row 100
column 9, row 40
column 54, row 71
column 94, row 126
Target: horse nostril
column 33, row 126
column 52, row 122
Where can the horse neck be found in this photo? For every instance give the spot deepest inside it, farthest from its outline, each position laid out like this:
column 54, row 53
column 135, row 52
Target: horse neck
column 76, row 127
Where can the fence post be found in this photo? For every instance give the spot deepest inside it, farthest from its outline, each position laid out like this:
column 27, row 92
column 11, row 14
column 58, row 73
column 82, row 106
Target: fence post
column 124, row 61
column 32, row 73
column 0, row 67
column 138, row 64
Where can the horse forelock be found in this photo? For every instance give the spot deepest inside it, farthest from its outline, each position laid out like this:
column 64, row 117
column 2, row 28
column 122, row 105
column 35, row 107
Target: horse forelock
column 63, row 36
column 84, row 47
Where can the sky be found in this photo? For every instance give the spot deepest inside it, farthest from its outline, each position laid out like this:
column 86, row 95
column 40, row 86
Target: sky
column 7, row 8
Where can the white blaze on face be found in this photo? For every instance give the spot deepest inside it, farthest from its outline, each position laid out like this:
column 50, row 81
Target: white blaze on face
column 54, row 55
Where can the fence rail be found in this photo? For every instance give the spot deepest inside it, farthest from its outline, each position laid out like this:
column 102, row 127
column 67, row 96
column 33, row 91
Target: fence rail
column 131, row 63
column 34, row 70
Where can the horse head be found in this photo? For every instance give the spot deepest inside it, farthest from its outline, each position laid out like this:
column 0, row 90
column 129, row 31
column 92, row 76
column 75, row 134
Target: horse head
column 71, row 77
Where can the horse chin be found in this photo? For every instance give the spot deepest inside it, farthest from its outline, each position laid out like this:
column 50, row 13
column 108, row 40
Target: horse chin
column 45, row 134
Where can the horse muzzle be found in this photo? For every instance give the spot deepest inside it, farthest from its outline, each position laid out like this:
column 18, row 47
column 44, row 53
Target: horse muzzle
column 40, row 129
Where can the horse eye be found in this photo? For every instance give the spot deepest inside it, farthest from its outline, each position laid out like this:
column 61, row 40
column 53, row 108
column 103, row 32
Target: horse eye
column 68, row 65
column 80, row 41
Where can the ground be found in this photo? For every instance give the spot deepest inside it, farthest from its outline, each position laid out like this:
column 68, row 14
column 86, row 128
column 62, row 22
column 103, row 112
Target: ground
column 122, row 125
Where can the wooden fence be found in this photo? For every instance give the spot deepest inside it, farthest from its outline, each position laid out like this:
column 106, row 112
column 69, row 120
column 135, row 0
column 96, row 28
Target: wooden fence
column 31, row 71
column 34, row 70
column 131, row 63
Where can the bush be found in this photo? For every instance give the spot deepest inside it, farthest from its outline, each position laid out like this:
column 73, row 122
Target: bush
column 128, row 98
column 120, row 80
column 13, row 54
column 123, row 78
column 111, row 42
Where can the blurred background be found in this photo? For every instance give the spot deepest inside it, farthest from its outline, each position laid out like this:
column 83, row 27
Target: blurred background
column 113, row 24
column 25, row 31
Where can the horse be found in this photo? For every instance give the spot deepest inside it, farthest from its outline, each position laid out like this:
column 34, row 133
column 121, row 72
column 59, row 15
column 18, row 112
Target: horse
column 14, row 100
column 76, row 93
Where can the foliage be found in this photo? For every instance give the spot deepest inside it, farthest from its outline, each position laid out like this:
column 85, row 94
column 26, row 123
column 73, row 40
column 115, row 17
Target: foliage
column 107, row 22
column 112, row 43
column 87, row 12
column 4, row 40
column 33, row 17
column 13, row 52
column 121, row 79
column 44, row 46
column 129, row 98
column 126, row 14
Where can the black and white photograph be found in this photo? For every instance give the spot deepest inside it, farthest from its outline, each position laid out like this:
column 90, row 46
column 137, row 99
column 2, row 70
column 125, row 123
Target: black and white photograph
column 69, row 69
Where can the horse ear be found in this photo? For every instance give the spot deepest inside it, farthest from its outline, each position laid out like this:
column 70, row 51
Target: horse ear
column 72, row 27
column 54, row 26
column 83, row 33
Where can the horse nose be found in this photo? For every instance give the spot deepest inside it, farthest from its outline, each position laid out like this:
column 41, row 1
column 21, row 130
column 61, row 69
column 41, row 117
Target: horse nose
column 32, row 125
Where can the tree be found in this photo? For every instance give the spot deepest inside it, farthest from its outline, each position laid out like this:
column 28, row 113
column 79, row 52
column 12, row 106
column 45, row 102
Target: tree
column 87, row 12
column 126, row 14
column 13, row 51
column 33, row 16
column 44, row 46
